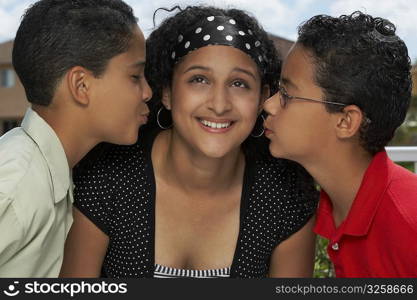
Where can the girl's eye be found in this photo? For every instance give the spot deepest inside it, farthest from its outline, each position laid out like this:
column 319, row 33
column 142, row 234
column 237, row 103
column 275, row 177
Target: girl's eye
column 198, row 79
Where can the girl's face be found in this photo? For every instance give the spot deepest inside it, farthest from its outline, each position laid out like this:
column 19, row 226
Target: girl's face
column 214, row 99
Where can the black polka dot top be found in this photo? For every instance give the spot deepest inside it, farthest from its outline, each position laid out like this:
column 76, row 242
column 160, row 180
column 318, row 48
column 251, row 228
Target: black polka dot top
column 115, row 189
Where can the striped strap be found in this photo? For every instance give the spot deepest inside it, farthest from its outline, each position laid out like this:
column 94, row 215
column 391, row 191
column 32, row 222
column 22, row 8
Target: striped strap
column 168, row 272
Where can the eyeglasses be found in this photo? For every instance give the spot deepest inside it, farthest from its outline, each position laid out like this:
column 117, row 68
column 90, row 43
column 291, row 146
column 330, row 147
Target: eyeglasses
column 285, row 98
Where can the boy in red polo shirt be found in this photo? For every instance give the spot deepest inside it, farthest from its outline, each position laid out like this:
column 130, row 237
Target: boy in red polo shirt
column 345, row 88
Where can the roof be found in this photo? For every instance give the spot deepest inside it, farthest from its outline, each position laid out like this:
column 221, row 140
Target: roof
column 282, row 44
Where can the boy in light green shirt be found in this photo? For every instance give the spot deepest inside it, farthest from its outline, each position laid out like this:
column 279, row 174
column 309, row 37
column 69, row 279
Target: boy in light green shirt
column 81, row 64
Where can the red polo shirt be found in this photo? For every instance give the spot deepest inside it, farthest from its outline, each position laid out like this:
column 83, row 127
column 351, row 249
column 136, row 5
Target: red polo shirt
column 378, row 238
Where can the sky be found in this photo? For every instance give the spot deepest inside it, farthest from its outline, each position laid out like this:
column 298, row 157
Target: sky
column 279, row 17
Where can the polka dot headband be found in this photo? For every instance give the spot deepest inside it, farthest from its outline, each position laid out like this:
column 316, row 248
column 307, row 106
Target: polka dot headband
column 219, row 30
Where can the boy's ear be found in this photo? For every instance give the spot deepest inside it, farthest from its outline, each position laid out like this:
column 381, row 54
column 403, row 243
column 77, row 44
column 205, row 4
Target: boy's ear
column 166, row 97
column 349, row 121
column 79, row 82
column 265, row 94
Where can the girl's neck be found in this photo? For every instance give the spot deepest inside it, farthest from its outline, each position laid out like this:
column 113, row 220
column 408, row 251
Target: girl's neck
column 178, row 164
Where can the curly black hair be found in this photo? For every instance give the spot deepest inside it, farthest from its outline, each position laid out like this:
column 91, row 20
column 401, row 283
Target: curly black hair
column 160, row 67
column 360, row 60
column 56, row 35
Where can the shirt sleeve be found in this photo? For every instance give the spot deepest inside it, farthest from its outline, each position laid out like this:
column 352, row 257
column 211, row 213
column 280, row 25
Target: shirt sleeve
column 93, row 190
column 11, row 229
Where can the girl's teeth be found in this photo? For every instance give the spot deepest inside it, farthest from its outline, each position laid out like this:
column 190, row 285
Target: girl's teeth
column 214, row 125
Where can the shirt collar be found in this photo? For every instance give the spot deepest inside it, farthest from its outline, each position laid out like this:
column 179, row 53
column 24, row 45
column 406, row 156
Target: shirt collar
column 359, row 219
column 52, row 150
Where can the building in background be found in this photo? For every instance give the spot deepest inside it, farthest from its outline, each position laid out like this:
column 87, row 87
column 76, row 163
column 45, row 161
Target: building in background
column 283, row 45
column 13, row 102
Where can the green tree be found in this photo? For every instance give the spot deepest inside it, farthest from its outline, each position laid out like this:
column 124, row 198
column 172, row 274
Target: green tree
column 406, row 134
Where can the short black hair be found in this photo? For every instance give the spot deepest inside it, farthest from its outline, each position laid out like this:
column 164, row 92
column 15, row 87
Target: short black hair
column 161, row 42
column 360, row 60
column 56, row 35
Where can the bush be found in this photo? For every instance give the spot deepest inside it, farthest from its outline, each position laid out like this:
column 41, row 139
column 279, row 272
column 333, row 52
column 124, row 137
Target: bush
column 323, row 267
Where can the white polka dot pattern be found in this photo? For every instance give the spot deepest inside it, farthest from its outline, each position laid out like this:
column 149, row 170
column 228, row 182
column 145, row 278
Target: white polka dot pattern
column 218, row 30
column 279, row 203
column 117, row 194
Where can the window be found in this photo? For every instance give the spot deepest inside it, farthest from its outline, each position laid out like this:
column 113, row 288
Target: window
column 7, row 78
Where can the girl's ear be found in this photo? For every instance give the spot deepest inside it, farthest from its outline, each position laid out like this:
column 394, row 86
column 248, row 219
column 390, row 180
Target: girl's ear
column 166, row 98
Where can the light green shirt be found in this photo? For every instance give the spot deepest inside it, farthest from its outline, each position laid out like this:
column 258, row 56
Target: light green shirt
column 35, row 200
